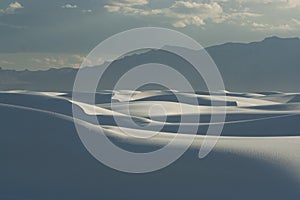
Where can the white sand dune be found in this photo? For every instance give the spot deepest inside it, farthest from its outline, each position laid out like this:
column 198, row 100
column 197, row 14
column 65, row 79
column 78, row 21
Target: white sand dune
column 261, row 138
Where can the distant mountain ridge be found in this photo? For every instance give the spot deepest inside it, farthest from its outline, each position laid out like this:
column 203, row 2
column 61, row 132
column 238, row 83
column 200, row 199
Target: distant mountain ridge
column 270, row 64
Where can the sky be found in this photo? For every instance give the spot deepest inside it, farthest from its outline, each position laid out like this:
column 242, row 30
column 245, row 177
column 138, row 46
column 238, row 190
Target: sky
column 40, row 34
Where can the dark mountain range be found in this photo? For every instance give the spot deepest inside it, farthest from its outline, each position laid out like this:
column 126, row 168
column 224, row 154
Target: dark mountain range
column 271, row 64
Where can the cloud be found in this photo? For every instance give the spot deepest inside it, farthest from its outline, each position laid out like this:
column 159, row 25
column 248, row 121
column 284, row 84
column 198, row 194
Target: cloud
column 15, row 5
column 72, row 60
column 125, row 5
column 241, row 16
column 12, row 7
column 257, row 1
column 70, row 6
column 188, row 4
column 282, row 4
column 193, row 20
column 181, row 13
column 179, row 24
column 112, row 8
column 292, row 3
column 271, row 27
column 197, row 13
column 87, row 11
column 5, row 62
column 129, row 3
column 296, row 21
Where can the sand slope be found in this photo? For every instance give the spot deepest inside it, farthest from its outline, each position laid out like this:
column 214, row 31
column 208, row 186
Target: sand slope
column 42, row 156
